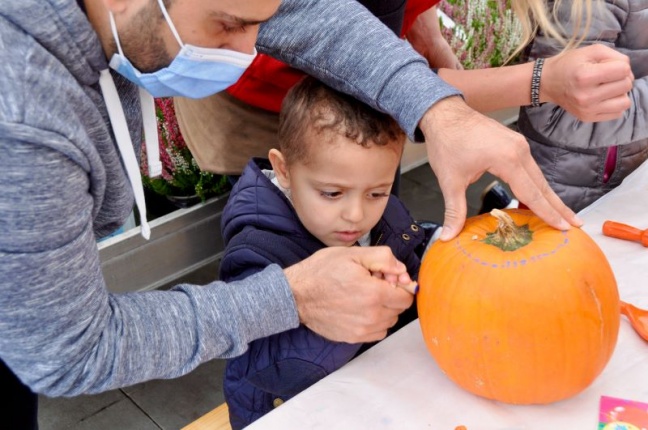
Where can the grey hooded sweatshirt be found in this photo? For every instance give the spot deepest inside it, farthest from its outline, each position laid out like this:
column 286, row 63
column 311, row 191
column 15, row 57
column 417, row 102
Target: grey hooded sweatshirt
column 583, row 161
column 62, row 185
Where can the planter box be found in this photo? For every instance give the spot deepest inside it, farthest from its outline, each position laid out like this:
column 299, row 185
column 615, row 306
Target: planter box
column 181, row 242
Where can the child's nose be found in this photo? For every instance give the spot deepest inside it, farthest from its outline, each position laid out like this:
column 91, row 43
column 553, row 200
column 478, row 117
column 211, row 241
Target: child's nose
column 354, row 212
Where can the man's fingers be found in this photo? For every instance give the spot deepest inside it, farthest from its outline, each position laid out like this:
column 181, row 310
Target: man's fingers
column 533, row 190
column 411, row 287
column 541, row 206
column 339, row 298
column 402, row 281
column 396, row 297
column 379, row 259
column 373, row 333
column 456, row 210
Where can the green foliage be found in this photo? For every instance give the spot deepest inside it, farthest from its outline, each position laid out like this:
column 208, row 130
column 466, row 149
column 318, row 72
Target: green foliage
column 181, row 175
column 485, row 34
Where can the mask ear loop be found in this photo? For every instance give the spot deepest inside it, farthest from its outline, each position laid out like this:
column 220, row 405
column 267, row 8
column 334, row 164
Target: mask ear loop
column 113, row 28
column 171, row 26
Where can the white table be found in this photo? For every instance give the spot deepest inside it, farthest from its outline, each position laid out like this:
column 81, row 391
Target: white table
column 397, row 384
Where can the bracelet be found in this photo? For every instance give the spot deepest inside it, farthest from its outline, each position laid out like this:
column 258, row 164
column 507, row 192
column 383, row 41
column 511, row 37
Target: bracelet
column 535, row 82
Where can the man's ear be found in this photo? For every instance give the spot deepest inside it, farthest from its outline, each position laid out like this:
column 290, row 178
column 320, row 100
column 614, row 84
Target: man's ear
column 280, row 167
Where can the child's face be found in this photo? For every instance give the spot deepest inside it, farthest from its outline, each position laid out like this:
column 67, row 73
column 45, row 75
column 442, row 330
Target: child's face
column 342, row 192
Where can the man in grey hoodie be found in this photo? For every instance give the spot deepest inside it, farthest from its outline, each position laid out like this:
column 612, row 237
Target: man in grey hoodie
column 69, row 129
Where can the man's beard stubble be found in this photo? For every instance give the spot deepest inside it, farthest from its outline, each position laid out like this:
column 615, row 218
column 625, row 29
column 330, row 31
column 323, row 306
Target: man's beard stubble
column 141, row 40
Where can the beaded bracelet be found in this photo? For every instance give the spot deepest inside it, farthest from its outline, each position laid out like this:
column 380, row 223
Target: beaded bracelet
column 535, row 82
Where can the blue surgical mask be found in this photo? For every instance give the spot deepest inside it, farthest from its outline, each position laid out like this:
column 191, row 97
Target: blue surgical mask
column 194, row 73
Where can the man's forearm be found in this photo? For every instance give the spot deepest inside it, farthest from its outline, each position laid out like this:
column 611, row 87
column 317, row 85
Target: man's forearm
column 344, row 45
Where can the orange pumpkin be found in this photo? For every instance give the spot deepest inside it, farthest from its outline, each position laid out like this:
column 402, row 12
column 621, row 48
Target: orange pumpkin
column 516, row 311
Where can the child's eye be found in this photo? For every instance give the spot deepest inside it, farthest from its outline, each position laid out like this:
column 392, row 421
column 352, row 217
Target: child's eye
column 330, row 194
column 379, row 195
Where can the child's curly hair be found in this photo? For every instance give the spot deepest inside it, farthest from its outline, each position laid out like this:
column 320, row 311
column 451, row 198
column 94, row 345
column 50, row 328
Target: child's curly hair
column 313, row 109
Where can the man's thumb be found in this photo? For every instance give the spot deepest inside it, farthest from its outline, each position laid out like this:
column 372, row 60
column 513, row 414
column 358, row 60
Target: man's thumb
column 454, row 218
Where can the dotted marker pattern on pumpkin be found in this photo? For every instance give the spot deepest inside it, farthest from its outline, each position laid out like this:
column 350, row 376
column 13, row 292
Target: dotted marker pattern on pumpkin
column 512, row 263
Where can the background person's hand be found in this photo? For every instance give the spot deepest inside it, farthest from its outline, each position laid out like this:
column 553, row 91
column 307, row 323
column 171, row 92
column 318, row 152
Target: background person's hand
column 338, row 298
column 426, row 38
column 463, row 144
column 592, row 83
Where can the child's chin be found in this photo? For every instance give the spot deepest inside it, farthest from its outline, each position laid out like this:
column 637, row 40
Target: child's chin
column 339, row 243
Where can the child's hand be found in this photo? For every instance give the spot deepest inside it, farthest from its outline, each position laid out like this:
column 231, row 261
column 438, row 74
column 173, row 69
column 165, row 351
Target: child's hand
column 338, row 298
column 398, row 281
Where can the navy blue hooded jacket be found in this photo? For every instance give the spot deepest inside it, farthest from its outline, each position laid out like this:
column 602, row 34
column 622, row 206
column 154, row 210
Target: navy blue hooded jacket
column 260, row 227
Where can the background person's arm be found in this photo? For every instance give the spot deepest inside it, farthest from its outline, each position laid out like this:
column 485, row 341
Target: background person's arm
column 426, row 38
column 611, row 26
column 590, row 82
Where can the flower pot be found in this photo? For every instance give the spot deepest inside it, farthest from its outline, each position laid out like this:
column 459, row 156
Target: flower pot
column 183, row 202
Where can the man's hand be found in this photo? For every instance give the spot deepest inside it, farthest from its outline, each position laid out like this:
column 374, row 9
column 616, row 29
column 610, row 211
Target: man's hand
column 591, row 83
column 462, row 145
column 339, row 297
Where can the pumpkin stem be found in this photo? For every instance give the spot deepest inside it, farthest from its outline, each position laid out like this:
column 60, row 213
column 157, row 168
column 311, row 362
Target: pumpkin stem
column 508, row 236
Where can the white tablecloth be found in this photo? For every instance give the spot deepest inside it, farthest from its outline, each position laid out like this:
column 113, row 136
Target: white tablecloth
column 397, row 385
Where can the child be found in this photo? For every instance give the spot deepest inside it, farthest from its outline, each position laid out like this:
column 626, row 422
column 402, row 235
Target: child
column 328, row 184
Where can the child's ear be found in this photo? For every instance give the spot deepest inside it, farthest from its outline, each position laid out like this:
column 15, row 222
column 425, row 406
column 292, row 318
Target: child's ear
column 280, row 167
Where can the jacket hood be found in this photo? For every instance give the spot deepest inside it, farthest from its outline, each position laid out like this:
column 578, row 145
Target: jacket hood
column 50, row 63
column 256, row 201
column 61, row 28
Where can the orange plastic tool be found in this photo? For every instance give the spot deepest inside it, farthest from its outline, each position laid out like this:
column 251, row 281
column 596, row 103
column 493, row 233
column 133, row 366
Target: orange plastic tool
column 625, row 232
column 638, row 318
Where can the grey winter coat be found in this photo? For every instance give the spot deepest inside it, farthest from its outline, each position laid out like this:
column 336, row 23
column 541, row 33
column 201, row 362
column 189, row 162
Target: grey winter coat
column 62, row 185
column 583, row 161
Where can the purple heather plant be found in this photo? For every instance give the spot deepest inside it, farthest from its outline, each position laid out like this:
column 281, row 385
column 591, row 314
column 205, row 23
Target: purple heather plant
column 485, row 34
column 181, row 175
